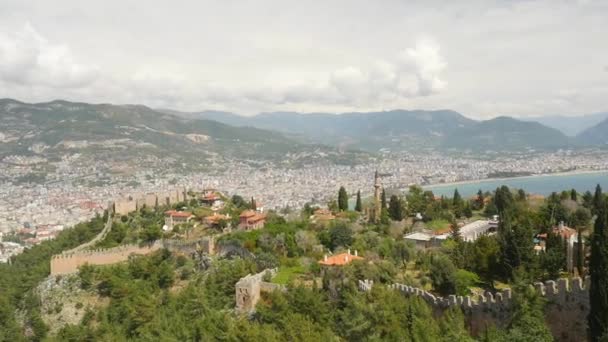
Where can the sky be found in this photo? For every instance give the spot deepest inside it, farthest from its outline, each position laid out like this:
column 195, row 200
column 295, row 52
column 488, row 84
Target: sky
column 481, row 58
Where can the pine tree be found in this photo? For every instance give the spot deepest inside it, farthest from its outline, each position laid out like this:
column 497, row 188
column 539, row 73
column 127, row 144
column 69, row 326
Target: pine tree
column 358, row 205
column 468, row 213
column 598, row 270
column 342, row 199
column 456, row 200
column 521, row 195
column 395, row 210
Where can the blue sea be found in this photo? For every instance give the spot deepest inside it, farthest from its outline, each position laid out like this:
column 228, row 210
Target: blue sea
column 543, row 185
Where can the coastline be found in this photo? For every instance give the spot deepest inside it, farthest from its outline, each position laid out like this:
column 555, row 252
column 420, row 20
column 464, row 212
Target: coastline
column 483, row 180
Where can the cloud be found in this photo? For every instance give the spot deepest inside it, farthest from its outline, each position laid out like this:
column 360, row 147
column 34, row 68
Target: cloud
column 415, row 72
column 426, row 62
column 29, row 59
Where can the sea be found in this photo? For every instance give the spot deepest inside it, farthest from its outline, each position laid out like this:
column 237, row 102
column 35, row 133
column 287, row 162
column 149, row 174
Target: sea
column 541, row 184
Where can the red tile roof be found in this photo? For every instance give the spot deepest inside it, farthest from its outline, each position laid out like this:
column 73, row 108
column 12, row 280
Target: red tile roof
column 175, row 213
column 339, row 259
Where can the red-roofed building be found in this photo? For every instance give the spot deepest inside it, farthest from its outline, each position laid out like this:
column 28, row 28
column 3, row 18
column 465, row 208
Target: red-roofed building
column 216, row 219
column 340, row 259
column 569, row 235
column 210, row 197
column 249, row 220
column 174, row 217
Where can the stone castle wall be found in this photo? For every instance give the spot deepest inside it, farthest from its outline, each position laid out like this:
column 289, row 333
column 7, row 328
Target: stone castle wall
column 565, row 313
column 131, row 203
column 249, row 288
column 70, row 261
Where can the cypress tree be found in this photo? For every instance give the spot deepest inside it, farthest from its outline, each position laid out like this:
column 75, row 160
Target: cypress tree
column 597, row 200
column 573, row 195
column 342, row 199
column 395, row 211
column 480, row 200
column 580, row 253
column 358, row 205
column 598, row 270
column 254, row 205
column 383, row 199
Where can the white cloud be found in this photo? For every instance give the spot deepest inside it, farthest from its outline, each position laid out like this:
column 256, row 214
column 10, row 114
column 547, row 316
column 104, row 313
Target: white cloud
column 426, row 62
column 482, row 58
column 27, row 58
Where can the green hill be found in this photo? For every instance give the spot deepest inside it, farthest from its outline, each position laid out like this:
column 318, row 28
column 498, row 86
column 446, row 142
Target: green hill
column 132, row 131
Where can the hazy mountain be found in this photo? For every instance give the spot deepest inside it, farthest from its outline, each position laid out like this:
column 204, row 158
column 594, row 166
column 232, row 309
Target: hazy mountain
column 596, row 135
column 570, row 125
column 113, row 131
column 403, row 129
column 506, row 133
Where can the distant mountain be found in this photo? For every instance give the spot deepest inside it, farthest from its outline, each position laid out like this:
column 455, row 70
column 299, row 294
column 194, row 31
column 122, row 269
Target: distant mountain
column 133, row 131
column 596, row 135
column 506, row 133
column 403, row 130
column 570, row 125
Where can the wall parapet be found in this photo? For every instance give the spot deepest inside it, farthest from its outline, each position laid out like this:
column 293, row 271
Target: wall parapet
column 70, row 261
column 565, row 313
column 559, row 291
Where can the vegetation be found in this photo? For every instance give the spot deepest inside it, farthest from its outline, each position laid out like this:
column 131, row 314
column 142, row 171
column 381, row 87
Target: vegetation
column 188, row 297
column 598, row 270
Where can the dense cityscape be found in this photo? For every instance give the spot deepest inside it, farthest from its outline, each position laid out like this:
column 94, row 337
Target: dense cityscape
column 64, row 200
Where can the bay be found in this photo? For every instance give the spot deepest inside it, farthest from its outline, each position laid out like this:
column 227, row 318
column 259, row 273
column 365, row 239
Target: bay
column 541, row 184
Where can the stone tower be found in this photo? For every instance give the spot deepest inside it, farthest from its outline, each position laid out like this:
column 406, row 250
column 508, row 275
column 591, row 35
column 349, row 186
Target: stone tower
column 377, row 201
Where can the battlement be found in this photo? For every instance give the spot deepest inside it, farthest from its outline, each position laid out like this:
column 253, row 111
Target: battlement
column 565, row 313
column 68, row 262
column 559, row 292
column 131, row 203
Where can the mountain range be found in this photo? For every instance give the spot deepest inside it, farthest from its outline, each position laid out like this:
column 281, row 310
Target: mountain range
column 570, row 125
column 54, row 128
column 404, row 129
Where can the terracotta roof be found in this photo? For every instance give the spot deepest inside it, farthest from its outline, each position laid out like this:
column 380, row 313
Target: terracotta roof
column 564, row 231
column 215, row 218
column 339, row 259
column 211, row 197
column 175, row 213
column 247, row 213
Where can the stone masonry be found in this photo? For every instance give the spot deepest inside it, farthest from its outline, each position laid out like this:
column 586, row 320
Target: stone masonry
column 565, row 313
column 249, row 288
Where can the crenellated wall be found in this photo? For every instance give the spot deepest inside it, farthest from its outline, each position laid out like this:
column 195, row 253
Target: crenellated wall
column 131, row 203
column 69, row 262
column 565, row 313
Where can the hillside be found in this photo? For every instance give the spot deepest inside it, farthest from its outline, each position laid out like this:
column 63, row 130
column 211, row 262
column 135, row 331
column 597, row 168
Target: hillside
column 570, row 125
column 404, row 130
column 595, row 135
column 505, row 133
column 131, row 131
